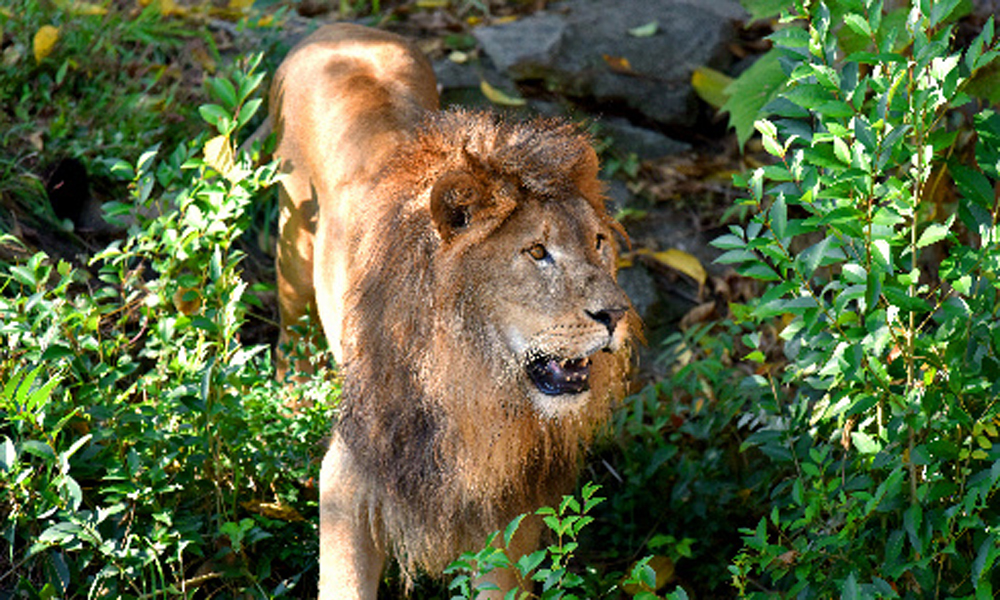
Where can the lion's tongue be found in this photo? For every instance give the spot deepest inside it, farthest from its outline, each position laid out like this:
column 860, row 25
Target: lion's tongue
column 555, row 377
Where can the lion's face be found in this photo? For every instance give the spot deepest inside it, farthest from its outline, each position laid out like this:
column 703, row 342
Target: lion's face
column 542, row 289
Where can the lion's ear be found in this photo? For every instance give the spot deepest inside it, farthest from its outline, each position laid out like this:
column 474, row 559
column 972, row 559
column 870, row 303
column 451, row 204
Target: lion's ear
column 455, row 199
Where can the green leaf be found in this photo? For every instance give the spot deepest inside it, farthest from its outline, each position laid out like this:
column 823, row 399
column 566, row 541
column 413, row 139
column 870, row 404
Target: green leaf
column 987, row 125
column 678, row 594
column 779, row 217
column 39, row 449
column 861, row 405
column 881, row 255
column 213, row 113
column 530, row 562
column 865, row 443
column 941, row 10
column 808, row 95
column 986, row 555
column 766, row 128
column 751, row 92
column 835, row 109
column 511, row 529
column 764, row 9
column 943, row 449
column 65, row 456
column 758, row 270
column 8, row 454
column 850, row 591
column 963, row 285
column 251, row 83
column 841, row 151
column 858, row 24
column 59, row 533
column 737, row 255
column 223, row 90
column 24, row 276
column 145, row 162
column 935, row 232
column 728, row 241
column 902, row 300
column 973, row 185
column 875, row 58
column 247, row 111
column 122, row 170
column 913, row 521
column 772, row 146
column 811, row 258
column 826, row 76
column 854, row 273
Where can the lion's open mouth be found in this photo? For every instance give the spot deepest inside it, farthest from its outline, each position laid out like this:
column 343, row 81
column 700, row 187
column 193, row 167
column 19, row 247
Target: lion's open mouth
column 555, row 377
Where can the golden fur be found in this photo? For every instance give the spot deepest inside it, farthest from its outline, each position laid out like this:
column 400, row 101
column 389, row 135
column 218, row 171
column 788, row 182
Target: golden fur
column 463, row 268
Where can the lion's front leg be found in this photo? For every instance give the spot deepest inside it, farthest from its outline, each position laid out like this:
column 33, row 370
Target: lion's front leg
column 350, row 560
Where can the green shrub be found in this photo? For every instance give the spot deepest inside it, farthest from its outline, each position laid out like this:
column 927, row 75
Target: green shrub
column 676, row 481
column 884, row 286
column 145, row 451
column 108, row 86
column 552, row 567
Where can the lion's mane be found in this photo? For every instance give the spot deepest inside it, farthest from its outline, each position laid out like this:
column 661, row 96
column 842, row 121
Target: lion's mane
column 447, row 445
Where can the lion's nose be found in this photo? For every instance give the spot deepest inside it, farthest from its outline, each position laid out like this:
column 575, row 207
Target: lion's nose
column 609, row 317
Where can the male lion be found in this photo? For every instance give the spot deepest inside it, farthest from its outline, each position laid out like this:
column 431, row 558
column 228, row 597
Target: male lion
column 463, row 269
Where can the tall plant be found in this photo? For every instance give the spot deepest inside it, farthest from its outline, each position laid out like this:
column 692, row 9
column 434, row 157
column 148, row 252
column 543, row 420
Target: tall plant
column 885, row 287
column 144, row 450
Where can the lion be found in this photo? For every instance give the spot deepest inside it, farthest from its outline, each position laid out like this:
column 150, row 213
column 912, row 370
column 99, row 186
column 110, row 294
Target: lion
column 463, row 268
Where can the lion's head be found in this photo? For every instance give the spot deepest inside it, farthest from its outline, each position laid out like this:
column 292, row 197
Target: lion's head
column 534, row 283
column 484, row 316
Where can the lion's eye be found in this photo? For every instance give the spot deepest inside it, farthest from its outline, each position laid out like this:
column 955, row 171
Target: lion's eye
column 600, row 241
column 538, row 252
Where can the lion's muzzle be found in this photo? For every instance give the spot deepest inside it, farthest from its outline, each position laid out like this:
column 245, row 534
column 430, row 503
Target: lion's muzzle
column 553, row 374
column 555, row 377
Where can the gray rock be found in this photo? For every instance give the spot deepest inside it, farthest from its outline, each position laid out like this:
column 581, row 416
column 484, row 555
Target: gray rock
column 646, row 144
column 451, row 75
column 986, row 8
column 572, row 48
column 525, row 45
column 640, row 287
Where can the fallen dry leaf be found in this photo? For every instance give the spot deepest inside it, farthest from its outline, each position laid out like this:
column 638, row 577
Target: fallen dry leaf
column 647, row 30
column 679, row 261
column 167, row 7
column 699, row 314
column 45, row 40
column 710, row 85
column 274, row 510
column 12, row 55
column 79, row 7
column 497, row 97
column 619, row 64
column 37, row 140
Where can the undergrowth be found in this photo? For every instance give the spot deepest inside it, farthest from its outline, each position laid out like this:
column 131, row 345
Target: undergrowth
column 835, row 437
column 876, row 228
column 145, row 450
